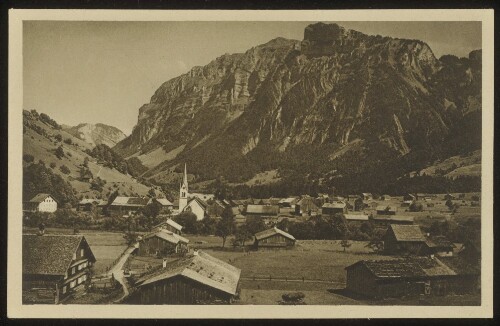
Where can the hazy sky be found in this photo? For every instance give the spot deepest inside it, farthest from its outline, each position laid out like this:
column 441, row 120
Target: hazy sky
column 105, row 71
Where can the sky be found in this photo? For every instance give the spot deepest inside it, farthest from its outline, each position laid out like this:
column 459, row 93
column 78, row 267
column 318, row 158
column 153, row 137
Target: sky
column 103, row 72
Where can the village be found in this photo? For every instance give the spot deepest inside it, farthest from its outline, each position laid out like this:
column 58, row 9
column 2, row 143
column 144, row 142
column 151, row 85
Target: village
column 205, row 249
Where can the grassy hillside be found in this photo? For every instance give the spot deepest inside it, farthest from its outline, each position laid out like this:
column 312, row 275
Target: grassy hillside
column 41, row 141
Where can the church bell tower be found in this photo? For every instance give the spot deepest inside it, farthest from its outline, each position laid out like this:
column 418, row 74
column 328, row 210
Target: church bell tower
column 183, row 192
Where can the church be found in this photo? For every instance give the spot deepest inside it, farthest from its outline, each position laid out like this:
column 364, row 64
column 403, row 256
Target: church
column 191, row 203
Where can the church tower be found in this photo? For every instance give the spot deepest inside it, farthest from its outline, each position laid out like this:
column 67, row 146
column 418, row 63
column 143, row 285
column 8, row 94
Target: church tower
column 183, row 192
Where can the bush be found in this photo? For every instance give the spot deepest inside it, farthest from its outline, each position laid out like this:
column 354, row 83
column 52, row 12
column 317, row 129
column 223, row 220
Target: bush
column 52, row 165
column 58, row 137
column 416, row 207
column 68, row 141
column 64, row 169
column 28, row 158
column 60, row 152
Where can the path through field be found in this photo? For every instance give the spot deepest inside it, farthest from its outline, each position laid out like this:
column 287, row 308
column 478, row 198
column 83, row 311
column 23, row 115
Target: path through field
column 117, row 272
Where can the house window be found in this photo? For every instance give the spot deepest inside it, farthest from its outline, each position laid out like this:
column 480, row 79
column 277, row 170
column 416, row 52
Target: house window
column 64, row 289
column 82, row 252
column 73, row 270
column 74, row 256
column 72, row 284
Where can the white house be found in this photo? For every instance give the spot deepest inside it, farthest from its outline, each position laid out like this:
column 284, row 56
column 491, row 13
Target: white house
column 196, row 206
column 41, row 203
column 191, row 202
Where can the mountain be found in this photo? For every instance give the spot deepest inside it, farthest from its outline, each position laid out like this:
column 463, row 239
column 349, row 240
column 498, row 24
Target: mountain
column 96, row 134
column 339, row 108
column 42, row 138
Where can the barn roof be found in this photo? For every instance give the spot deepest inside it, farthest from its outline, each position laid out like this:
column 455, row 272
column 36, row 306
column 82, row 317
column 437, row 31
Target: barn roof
column 338, row 204
column 263, row 209
column 130, row 201
column 201, row 268
column 40, row 198
column 170, row 222
column 49, row 254
column 198, row 200
column 386, row 208
column 167, row 236
column 394, row 218
column 407, row 232
column 164, row 201
column 439, row 242
column 85, row 201
column 270, row 232
column 405, row 268
column 461, row 266
column 288, row 200
column 356, row 217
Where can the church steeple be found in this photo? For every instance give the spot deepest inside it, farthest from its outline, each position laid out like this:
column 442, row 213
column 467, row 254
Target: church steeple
column 183, row 191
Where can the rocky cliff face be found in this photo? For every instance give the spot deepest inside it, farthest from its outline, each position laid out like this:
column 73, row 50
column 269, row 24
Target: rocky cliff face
column 96, row 134
column 242, row 111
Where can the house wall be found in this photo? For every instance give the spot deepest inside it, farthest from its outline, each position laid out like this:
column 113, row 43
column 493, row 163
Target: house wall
column 154, row 245
column 197, row 210
column 178, row 290
column 276, row 240
column 361, row 281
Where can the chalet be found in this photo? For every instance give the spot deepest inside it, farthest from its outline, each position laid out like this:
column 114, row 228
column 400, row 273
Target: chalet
column 169, row 225
column 262, row 210
column 403, row 277
column 306, row 206
column 386, row 210
column 162, row 243
column 334, row 208
column 41, row 203
column 385, row 220
column 439, row 246
column 165, row 205
column 195, row 279
column 273, row 238
column 55, row 267
column 196, row 206
column 128, row 205
column 366, row 196
column 288, row 202
column 88, row 204
column 404, row 240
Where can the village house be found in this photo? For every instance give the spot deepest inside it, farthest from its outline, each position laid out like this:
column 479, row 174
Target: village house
column 197, row 207
column 386, row 210
column 306, row 207
column 334, row 208
column 404, row 240
column 288, row 202
column 169, row 225
column 383, row 221
column 195, row 279
column 262, row 210
column 128, row 205
column 439, row 246
column 88, row 204
column 407, row 277
column 162, row 243
column 356, row 219
column 273, row 238
column 41, row 203
column 166, row 206
column 55, row 267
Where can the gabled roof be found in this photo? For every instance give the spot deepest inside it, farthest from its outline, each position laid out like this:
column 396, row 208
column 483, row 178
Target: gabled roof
column 270, row 232
column 356, row 217
column 263, row 209
column 393, row 218
column 170, row 222
column 201, row 268
column 288, row 200
column 40, row 198
column 338, row 204
column 130, row 201
column 164, row 201
column 197, row 200
column 407, row 232
column 91, row 201
column 439, row 242
column 50, row 254
column 167, row 236
column 405, row 268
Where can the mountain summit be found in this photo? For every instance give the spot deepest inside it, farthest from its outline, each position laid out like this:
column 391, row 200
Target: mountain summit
column 296, row 106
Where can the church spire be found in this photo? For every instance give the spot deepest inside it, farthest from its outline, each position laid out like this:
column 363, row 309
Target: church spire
column 185, row 179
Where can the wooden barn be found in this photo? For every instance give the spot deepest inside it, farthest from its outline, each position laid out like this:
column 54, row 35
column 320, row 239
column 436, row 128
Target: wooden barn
column 88, row 204
column 356, row 219
column 306, row 206
column 196, row 279
column 404, row 240
column 128, row 205
column 273, row 238
column 262, row 210
column 407, row 277
column 55, row 267
column 166, row 206
column 334, row 208
column 162, row 243
column 169, row 225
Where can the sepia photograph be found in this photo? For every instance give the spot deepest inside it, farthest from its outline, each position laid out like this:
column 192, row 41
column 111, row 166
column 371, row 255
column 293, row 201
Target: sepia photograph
column 268, row 161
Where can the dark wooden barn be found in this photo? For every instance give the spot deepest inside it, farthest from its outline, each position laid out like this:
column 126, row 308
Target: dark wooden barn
column 406, row 277
column 55, row 267
column 404, row 240
column 169, row 225
column 196, row 279
column 334, row 208
column 273, row 238
column 162, row 243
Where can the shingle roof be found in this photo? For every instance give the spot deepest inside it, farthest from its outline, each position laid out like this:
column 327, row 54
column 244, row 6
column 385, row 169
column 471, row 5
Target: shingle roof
column 198, row 200
column 170, row 222
column 439, row 242
column 167, row 236
column 406, row 268
column 356, row 217
column 164, row 201
column 263, row 209
column 201, row 268
column 395, row 218
column 130, row 201
column 270, row 232
column 407, row 232
column 341, row 205
column 49, row 254
column 40, row 197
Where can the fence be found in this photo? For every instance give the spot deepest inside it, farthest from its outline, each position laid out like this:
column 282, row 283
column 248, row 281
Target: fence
column 110, row 266
column 303, row 279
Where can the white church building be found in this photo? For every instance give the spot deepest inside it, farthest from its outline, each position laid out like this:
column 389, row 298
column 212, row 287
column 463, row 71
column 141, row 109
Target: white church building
column 191, row 202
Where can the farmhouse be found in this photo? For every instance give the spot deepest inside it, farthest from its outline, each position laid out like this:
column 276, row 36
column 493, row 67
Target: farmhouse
column 306, row 206
column 262, row 210
column 165, row 205
column 128, row 205
column 334, row 208
column 386, row 210
column 55, row 267
column 385, row 220
column 169, row 225
column 288, row 202
column 41, row 203
column 197, row 207
column 405, row 277
column 404, row 240
column 87, row 204
column 162, row 243
column 273, row 238
column 196, row 279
